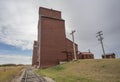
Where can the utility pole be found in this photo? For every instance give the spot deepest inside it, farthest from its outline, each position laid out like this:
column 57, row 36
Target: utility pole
column 74, row 50
column 100, row 38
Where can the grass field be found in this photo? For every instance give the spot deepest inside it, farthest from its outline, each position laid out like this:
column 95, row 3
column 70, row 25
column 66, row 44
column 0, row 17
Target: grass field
column 7, row 73
column 107, row 70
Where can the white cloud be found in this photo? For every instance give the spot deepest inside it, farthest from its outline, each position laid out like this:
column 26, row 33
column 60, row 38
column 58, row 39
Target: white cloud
column 15, row 59
column 18, row 23
column 19, row 18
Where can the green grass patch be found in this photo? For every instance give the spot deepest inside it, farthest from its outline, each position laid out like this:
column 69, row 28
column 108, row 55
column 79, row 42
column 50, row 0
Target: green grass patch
column 57, row 68
column 106, row 70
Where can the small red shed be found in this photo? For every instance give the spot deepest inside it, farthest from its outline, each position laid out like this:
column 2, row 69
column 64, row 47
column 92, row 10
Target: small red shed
column 109, row 55
column 86, row 55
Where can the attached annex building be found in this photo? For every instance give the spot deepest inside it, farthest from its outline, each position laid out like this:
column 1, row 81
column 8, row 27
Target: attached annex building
column 52, row 45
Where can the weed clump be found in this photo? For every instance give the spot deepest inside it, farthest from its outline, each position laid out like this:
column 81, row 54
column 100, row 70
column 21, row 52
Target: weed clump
column 58, row 68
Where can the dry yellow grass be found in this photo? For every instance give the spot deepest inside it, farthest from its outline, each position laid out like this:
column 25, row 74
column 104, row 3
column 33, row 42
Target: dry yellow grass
column 7, row 73
column 107, row 70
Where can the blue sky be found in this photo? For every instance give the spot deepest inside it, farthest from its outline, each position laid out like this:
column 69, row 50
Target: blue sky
column 9, row 49
column 13, row 54
column 19, row 18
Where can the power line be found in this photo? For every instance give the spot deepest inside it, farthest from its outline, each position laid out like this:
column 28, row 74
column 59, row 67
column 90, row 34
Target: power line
column 100, row 38
column 74, row 50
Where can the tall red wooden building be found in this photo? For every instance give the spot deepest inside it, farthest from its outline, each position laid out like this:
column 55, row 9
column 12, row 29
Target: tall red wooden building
column 52, row 46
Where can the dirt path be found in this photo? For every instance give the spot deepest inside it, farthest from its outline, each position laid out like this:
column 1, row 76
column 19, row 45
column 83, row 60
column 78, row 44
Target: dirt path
column 18, row 77
column 28, row 75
